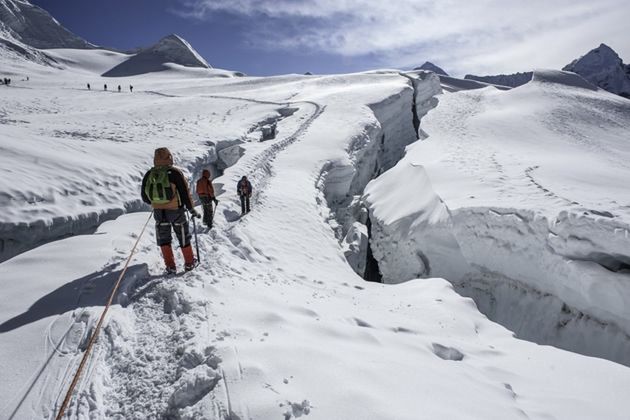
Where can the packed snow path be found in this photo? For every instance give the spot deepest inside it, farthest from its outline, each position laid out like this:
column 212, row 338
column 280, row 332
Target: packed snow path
column 275, row 323
column 168, row 385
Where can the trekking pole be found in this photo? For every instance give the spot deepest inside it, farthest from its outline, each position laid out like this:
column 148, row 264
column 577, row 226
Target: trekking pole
column 196, row 240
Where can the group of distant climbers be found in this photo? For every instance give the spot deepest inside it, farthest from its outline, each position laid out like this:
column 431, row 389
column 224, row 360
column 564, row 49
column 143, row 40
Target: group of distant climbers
column 6, row 81
column 89, row 87
column 165, row 188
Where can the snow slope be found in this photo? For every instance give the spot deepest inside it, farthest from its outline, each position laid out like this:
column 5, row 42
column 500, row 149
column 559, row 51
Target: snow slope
column 94, row 61
column 60, row 127
column 275, row 323
column 522, row 202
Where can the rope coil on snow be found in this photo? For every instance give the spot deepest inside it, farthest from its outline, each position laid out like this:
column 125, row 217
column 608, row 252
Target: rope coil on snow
column 94, row 335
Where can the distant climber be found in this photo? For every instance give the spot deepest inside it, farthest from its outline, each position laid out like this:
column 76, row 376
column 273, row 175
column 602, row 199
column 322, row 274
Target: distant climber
column 205, row 191
column 118, row 88
column 89, row 87
column 131, row 88
column 104, row 87
column 166, row 189
column 244, row 191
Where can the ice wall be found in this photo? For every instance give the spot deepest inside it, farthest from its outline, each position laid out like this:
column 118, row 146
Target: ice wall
column 374, row 151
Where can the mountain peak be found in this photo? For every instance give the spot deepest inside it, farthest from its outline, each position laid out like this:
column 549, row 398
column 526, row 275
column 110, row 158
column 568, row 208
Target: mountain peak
column 175, row 47
column 432, row 67
column 35, row 27
column 170, row 49
column 603, row 67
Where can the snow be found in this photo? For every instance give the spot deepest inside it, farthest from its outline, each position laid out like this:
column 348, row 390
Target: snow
column 94, row 61
column 520, row 200
column 276, row 322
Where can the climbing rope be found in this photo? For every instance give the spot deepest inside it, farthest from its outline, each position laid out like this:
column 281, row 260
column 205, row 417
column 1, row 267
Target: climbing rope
column 94, row 335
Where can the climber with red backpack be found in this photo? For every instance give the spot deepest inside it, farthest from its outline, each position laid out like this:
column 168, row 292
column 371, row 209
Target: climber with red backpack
column 164, row 187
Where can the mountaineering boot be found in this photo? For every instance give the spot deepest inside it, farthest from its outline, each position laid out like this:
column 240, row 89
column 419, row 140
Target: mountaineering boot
column 189, row 258
column 169, row 259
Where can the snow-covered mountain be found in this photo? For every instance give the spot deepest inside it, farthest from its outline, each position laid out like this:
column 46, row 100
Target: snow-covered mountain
column 603, row 67
column 171, row 49
column 35, row 27
column 512, row 80
column 432, row 67
column 30, row 34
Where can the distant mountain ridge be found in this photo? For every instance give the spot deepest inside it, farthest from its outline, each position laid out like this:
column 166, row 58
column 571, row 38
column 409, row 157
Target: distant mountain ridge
column 601, row 66
column 512, row 80
column 27, row 31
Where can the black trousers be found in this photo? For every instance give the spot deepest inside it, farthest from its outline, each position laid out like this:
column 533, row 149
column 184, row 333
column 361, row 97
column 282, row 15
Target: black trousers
column 244, row 203
column 167, row 220
column 206, row 203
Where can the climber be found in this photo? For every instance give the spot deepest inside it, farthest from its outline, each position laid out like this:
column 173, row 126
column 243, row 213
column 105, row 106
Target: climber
column 164, row 187
column 205, row 191
column 244, row 191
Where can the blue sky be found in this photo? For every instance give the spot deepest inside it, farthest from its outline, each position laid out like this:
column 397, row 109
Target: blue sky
column 264, row 37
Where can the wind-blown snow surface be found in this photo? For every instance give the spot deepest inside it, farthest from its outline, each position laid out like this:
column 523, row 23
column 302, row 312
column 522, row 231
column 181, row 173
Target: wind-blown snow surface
column 274, row 323
column 520, row 199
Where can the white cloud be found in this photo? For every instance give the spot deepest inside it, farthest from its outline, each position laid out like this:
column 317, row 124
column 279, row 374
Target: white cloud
column 463, row 35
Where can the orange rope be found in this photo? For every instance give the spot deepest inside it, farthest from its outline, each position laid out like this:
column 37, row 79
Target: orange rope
column 94, row 336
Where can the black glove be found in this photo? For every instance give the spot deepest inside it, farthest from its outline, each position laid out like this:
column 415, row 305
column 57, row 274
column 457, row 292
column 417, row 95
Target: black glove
column 194, row 213
column 215, row 201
